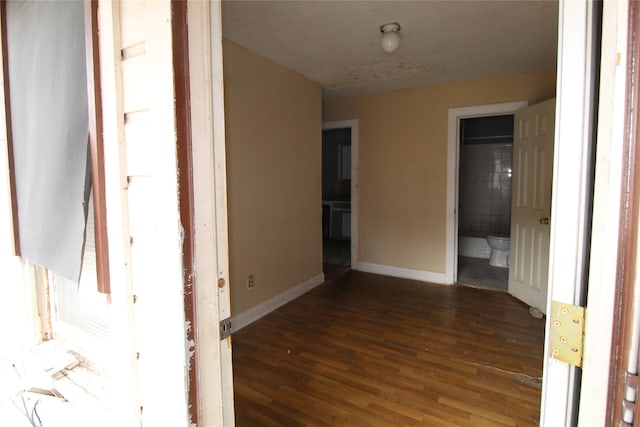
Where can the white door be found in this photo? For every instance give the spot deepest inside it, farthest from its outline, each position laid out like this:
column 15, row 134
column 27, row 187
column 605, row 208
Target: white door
column 531, row 203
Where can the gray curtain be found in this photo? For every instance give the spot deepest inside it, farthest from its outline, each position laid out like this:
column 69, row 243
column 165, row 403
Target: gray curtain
column 49, row 114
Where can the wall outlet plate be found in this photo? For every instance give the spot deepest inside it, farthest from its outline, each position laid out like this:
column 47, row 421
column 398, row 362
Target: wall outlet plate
column 250, row 281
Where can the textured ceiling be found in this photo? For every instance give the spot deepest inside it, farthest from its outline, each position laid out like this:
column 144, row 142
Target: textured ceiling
column 337, row 43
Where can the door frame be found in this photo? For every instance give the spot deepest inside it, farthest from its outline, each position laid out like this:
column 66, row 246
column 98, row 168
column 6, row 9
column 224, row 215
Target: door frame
column 210, row 217
column 574, row 28
column 453, row 173
column 572, row 194
column 353, row 125
column 611, row 163
column 624, row 355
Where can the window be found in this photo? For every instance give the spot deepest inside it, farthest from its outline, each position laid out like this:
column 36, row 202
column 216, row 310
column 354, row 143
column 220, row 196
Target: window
column 54, row 133
column 54, row 126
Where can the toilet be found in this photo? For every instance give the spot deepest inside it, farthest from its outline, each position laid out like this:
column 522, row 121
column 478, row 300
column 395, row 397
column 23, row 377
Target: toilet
column 499, row 251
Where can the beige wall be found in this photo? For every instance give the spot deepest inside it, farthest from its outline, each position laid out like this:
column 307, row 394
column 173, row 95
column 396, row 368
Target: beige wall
column 403, row 159
column 273, row 137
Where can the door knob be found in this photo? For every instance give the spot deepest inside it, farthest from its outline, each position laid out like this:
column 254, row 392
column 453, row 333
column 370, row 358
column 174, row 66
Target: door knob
column 544, row 221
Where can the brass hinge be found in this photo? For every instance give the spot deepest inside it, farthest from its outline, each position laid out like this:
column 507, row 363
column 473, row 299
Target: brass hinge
column 567, row 333
column 225, row 328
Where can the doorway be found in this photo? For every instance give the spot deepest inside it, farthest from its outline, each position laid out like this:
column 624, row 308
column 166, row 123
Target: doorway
column 484, row 200
column 456, row 116
column 340, row 222
column 574, row 27
column 336, row 201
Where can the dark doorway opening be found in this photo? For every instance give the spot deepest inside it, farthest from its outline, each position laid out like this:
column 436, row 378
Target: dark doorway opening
column 484, row 197
column 336, row 201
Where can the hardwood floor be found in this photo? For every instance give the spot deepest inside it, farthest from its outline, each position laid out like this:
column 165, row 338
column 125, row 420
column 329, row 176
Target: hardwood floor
column 369, row 350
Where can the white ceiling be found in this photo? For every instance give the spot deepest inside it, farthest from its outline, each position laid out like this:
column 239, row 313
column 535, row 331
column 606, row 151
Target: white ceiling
column 337, row 43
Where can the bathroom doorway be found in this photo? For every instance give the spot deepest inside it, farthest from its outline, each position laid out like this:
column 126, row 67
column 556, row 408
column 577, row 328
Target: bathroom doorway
column 336, row 201
column 484, row 200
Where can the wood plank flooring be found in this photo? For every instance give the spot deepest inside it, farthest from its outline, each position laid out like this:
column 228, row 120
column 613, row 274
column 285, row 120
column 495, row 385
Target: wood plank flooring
column 369, row 350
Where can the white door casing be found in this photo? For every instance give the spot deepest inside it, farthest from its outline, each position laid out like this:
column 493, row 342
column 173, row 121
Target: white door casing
column 531, row 203
column 606, row 214
column 571, row 199
column 215, row 382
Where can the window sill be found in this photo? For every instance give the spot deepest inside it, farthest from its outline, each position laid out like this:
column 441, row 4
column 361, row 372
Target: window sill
column 54, row 386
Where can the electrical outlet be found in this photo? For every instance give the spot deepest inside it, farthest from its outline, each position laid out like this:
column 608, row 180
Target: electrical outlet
column 250, row 281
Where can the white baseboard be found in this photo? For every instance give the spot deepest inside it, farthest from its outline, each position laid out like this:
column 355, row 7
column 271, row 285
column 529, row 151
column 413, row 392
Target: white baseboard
column 249, row 316
column 404, row 273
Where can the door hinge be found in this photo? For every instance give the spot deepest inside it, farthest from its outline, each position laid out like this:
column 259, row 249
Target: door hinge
column 567, row 333
column 629, row 399
column 225, row 328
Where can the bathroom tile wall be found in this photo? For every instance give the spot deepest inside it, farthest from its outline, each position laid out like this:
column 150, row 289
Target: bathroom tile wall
column 485, row 189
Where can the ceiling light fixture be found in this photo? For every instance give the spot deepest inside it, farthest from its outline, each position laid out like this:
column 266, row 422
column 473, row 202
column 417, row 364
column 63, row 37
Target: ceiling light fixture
column 390, row 38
